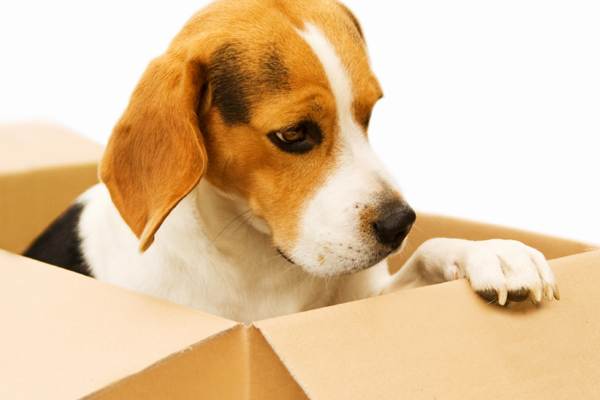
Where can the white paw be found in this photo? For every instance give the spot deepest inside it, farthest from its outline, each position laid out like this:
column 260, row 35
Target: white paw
column 505, row 270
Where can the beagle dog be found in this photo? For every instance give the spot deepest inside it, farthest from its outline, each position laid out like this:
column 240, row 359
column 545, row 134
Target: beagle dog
column 240, row 180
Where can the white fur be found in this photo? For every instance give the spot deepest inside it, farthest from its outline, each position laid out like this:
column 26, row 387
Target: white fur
column 330, row 242
column 214, row 255
column 207, row 255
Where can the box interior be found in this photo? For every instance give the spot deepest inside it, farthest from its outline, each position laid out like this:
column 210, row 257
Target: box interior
column 67, row 336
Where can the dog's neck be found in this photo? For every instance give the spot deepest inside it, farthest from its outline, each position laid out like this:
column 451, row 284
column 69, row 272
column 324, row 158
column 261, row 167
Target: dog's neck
column 224, row 216
column 218, row 242
column 218, row 225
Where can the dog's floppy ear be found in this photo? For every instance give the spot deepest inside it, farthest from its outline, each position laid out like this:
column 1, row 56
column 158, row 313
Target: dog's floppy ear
column 156, row 154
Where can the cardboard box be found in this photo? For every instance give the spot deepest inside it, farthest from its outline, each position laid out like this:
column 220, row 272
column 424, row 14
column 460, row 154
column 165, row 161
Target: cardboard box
column 66, row 336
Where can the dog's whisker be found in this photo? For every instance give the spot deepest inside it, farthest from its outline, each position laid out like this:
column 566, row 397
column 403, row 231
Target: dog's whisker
column 305, row 279
column 243, row 223
column 415, row 226
column 407, row 248
column 281, row 265
column 227, row 226
column 269, row 259
column 250, row 224
column 312, row 282
column 287, row 269
column 491, row 302
column 437, row 219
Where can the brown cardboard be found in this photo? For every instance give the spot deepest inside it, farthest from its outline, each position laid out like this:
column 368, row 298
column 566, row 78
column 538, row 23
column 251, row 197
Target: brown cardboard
column 36, row 161
column 236, row 365
column 446, row 342
column 66, row 336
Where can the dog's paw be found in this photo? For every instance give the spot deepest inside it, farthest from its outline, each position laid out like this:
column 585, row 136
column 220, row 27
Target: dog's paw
column 506, row 271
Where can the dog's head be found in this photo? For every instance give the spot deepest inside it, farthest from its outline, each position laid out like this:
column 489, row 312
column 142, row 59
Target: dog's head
column 269, row 101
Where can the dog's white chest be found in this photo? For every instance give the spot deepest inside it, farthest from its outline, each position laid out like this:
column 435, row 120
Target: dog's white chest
column 233, row 271
column 246, row 292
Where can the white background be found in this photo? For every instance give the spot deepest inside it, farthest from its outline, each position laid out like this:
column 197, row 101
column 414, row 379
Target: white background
column 491, row 108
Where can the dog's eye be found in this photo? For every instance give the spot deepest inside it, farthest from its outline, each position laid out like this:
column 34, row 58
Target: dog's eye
column 298, row 139
column 292, row 135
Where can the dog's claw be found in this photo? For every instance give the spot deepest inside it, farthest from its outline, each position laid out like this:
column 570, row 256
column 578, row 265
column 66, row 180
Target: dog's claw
column 537, row 294
column 502, row 296
column 556, row 294
column 549, row 293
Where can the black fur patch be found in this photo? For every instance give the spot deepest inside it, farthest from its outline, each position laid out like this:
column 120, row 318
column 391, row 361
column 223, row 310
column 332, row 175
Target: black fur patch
column 230, row 85
column 235, row 84
column 60, row 244
column 273, row 74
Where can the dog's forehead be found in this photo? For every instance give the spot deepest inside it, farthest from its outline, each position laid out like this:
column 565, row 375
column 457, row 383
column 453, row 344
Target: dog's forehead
column 250, row 62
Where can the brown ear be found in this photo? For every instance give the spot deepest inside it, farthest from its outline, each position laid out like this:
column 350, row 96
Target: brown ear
column 156, row 153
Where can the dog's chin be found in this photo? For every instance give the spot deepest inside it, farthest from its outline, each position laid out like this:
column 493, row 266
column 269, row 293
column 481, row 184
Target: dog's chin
column 341, row 266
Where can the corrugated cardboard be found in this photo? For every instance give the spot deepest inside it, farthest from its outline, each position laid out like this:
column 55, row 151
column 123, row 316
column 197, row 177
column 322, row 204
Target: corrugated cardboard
column 36, row 161
column 444, row 342
column 66, row 336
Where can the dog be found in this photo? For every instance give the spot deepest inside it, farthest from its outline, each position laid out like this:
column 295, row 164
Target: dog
column 240, row 181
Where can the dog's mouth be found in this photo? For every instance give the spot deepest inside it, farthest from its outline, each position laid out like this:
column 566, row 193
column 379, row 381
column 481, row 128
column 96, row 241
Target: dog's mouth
column 375, row 258
column 282, row 254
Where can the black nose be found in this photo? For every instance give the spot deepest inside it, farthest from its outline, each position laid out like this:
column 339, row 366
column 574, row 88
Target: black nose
column 394, row 223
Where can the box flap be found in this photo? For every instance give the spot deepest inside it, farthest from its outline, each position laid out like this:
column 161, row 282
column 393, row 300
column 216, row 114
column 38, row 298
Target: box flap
column 43, row 168
column 28, row 146
column 445, row 342
column 63, row 335
column 237, row 365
